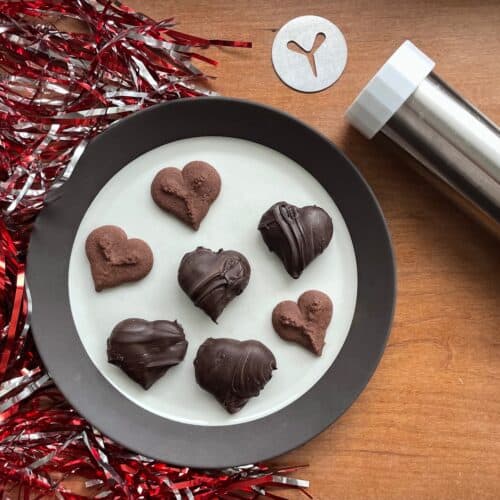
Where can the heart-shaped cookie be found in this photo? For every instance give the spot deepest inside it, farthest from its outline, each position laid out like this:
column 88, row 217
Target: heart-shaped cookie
column 304, row 321
column 145, row 350
column 187, row 194
column 296, row 235
column 114, row 259
column 233, row 371
column 213, row 279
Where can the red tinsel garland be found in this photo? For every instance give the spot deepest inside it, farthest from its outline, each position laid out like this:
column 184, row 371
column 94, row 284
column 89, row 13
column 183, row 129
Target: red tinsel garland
column 58, row 90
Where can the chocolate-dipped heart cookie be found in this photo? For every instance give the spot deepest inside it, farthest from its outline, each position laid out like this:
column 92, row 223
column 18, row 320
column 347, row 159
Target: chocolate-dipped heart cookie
column 114, row 259
column 233, row 371
column 145, row 350
column 187, row 193
column 304, row 321
column 296, row 235
column 213, row 279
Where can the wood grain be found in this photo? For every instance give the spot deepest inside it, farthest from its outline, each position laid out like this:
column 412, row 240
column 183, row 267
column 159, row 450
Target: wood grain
column 428, row 424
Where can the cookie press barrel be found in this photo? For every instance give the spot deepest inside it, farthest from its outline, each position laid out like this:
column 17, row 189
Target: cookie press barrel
column 410, row 104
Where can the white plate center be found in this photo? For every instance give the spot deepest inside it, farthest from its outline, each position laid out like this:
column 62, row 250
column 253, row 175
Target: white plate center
column 253, row 178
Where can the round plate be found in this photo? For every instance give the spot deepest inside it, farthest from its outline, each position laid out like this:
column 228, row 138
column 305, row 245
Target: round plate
column 254, row 177
column 211, row 443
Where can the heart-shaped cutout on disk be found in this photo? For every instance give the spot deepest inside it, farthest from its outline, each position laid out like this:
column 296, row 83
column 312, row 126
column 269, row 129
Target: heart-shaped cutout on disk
column 233, row 371
column 213, row 279
column 296, row 235
column 187, row 193
column 145, row 350
column 115, row 259
column 304, row 321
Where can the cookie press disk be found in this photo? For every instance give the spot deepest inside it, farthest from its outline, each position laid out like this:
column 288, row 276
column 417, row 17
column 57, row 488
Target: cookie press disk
column 410, row 104
column 309, row 53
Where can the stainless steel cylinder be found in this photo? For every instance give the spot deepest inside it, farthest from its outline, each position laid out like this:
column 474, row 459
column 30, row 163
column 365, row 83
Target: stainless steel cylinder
column 452, row 139
column 434, row 124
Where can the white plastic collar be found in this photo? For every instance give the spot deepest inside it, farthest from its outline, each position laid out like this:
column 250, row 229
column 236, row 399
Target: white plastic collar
column 386, row 92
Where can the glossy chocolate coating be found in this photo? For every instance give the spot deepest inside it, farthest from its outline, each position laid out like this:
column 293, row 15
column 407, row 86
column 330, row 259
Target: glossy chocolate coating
column 233, row 371
column 296, row 235
column 213, row 279
column 145, row 350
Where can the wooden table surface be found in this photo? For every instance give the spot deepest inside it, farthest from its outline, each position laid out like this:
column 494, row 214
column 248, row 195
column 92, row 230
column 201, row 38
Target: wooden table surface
column 428, row 424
